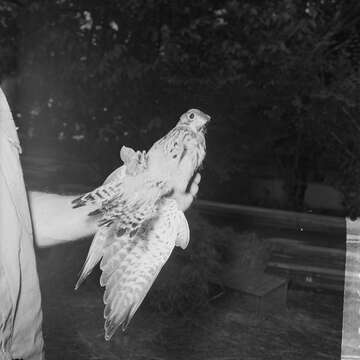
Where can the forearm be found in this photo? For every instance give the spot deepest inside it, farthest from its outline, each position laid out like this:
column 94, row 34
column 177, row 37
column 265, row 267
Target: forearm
column 55, row 221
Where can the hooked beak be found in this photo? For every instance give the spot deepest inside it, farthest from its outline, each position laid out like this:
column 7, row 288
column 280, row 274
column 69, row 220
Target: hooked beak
column 206, row 123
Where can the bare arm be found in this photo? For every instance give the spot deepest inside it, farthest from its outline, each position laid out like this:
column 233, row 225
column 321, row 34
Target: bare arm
column 55, row 221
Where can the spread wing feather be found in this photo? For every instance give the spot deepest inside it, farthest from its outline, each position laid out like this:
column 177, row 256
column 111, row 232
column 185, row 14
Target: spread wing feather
column 128, row 286
column 94, row 255
column 96, row 249
column 135, row 203
column 129, row 201
column 130, row 266
column 135, row 162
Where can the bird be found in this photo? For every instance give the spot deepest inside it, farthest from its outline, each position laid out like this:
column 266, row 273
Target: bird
column 169, row 164
column 140, row 223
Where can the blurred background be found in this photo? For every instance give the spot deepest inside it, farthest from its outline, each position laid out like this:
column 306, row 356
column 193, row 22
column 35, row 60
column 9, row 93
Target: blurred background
column 280, row 79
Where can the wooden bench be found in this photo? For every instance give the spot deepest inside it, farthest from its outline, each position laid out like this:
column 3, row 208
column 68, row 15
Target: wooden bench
column 311, row 255
column 307, row 265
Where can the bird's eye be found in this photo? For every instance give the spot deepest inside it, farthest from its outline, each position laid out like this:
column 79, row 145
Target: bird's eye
column 191, row 116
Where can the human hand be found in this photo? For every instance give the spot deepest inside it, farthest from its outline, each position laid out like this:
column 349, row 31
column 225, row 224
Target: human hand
column 185, row 198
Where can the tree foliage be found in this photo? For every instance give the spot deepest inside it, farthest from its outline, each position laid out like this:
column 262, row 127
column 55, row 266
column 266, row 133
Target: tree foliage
column 279, row 77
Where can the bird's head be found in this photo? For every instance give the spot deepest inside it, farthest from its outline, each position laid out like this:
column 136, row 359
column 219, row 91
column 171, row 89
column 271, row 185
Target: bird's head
column 195, row 119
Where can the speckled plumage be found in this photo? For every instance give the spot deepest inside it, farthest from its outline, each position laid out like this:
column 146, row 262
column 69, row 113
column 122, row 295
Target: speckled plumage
column 140, row 224
column 130, row 266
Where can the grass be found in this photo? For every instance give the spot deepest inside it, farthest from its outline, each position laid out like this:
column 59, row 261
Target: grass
column 310, row 328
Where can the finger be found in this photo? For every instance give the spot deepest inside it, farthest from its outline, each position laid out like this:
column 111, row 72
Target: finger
column 197, row 178
column 194, row 189
column 185, row 201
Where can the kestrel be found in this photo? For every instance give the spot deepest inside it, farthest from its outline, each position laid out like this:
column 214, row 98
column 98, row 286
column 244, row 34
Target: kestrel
column 140, row 223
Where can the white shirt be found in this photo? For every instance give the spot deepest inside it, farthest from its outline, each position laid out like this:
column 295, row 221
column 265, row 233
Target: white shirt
column 20, row 299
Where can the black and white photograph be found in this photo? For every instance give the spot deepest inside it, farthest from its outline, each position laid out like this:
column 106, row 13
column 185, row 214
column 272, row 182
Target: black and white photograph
column 179, row 180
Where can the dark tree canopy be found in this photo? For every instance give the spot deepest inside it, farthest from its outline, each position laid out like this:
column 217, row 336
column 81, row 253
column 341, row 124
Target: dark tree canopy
column 280, row 78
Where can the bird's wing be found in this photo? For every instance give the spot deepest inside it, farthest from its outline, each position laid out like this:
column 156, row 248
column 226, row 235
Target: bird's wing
column 97, row 246
column 116, row 175
column 96, row 250
column 130, row 266
column 135, row 161
column 124, row 218
column 95, row 253
column 101, row 194
column 129, row 194
column 135, row 202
